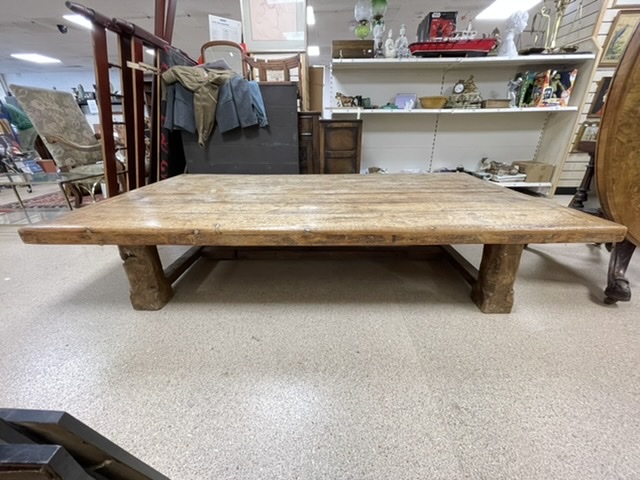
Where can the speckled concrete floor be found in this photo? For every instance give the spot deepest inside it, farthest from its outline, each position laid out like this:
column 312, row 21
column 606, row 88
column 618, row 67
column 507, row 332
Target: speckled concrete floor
column 365, row 369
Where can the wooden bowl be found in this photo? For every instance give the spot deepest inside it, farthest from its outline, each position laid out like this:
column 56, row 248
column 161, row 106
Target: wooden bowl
column 433, row 102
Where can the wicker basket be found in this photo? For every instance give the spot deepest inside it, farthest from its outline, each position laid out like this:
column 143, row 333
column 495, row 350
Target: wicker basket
column 433, row 102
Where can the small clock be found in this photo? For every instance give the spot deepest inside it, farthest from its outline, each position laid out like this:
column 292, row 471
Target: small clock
column 459, row 87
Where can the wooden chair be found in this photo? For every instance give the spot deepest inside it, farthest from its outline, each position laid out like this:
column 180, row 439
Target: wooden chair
column 65, row 131
column 276, row 69
column 618, row 166
column 230, row 52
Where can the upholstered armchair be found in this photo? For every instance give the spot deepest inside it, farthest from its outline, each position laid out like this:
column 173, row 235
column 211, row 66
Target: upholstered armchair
column 63, row 129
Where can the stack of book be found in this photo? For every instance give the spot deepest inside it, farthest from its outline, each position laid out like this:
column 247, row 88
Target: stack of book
column 518, row 177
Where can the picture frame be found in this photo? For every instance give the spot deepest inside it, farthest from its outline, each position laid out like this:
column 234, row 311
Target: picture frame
column 625, row 3
column 619, row 36
column 600, row 98
column 270, row 26
column 588, row 132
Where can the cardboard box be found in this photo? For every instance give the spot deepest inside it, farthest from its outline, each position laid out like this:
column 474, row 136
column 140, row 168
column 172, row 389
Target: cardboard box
column 316, row 88
column 536, row 171
column 548, row 88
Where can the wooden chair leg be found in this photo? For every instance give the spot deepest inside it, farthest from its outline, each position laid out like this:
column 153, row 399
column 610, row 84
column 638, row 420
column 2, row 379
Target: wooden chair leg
column 618, row 289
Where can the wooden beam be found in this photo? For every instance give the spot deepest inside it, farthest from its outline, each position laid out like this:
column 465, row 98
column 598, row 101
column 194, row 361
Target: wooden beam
column 170, row 20
column 128, row 107
column 139, row 116
column 103, row 91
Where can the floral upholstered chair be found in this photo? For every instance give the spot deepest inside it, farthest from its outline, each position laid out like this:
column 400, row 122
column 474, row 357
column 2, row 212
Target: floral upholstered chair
column 64, row 130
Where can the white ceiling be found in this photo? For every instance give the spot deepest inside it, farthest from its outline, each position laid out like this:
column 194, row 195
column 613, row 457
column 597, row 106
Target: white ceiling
column 29, row 26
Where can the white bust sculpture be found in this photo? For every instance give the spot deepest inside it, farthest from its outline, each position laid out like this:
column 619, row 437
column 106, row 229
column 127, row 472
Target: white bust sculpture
column 389, row 46
column 515, row 25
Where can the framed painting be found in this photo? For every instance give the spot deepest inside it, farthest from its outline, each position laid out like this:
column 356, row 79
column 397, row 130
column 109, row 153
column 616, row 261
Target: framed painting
column 274, row 25
column 621, row 30
column 600, row 98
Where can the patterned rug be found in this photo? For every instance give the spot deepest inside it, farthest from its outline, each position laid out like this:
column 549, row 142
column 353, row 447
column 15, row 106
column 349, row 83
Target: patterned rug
column 48, row 201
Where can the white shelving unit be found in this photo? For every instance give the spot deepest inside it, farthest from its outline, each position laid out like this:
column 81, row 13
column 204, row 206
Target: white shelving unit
column 460, row 62
column 448, row 111
column 431, row 140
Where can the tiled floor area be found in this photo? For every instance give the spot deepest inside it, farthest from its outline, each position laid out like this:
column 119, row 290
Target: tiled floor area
column 327, row 369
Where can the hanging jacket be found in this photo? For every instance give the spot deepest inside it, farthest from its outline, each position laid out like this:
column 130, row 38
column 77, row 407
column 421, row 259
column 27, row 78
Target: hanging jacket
column 204, row 84
column 235, row 108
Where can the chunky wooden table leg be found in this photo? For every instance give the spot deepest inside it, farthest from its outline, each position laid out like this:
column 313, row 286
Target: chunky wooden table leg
column 493, row 291
column 150, row 289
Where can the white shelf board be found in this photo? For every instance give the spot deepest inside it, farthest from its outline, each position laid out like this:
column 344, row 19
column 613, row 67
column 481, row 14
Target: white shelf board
column 459, row 62
column 447, row 111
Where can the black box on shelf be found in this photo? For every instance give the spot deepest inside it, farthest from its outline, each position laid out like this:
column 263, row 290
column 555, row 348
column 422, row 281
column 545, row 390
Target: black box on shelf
column 437, row 25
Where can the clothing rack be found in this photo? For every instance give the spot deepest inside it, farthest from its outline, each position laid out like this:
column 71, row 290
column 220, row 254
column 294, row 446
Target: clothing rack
column 131, row 42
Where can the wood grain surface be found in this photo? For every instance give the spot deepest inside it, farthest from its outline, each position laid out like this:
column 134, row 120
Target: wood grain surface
column 323, row 210
column 618, row 147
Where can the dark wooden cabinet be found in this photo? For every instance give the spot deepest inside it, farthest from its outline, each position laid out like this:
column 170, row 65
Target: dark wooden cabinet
column 340, row 146
column 309, row 141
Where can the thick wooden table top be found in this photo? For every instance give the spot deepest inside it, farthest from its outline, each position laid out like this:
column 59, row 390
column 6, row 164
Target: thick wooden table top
column 323, row 210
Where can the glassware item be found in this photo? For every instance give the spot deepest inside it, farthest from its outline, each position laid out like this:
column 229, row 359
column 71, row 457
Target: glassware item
column 362, row 14
column 363, row 29
column 378, row 9
column 362, row 11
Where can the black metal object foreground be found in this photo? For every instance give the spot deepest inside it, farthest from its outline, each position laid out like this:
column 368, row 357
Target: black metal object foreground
column 43, row 444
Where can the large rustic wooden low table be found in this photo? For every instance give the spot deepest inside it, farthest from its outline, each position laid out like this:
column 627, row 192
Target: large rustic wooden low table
column 322, row 211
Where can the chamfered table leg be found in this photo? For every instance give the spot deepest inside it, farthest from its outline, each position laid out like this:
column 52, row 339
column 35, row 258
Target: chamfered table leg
column 493, row 291
column 150, row 289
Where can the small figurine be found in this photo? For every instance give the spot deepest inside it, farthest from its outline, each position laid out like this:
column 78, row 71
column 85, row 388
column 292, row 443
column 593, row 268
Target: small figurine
column 344, row 101
column 402, row 44
column 470, row 86
column 513, row 90
column 389, row 46
column 409, row 104
column 515, row 25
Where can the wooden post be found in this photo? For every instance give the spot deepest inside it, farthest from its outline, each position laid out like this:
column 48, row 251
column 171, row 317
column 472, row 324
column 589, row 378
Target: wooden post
column 139, row 100
column 103, row 91
column 128, row 107
column 493, row 292
column 150, row 289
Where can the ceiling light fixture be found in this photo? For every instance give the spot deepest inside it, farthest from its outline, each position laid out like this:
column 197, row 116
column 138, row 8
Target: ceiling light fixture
column 79, row 20
column 313, row 50
column 35, row 58
column 311, row 16
column 503, row 9
column 150, row 51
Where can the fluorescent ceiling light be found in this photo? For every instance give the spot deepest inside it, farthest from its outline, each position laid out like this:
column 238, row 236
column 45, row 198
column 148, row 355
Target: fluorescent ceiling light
column 35, row 58
column 79, row 20
column 150, row 51
column 313, row 50
column 503, row 9
column 311, row 17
